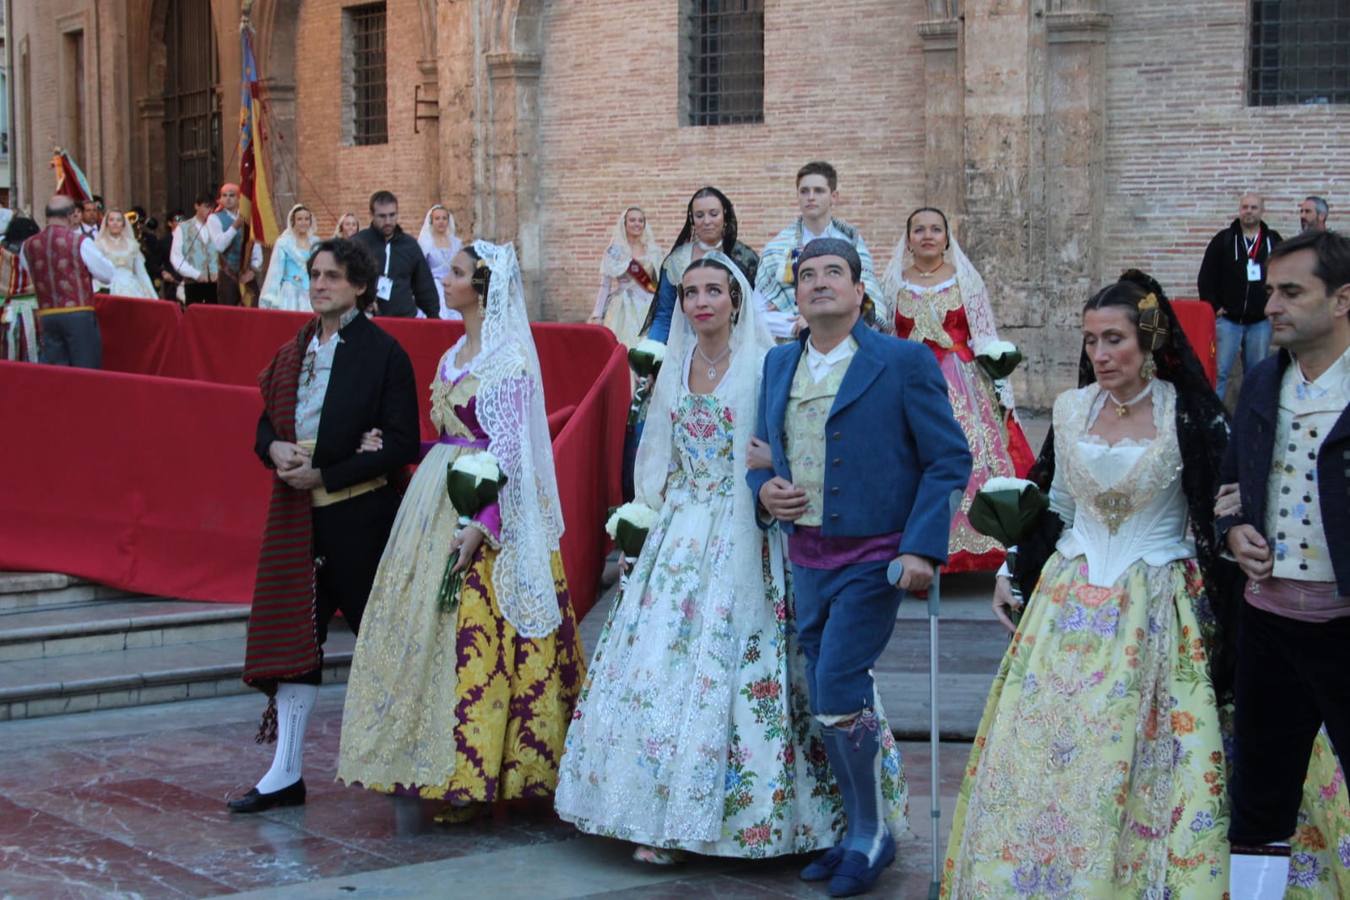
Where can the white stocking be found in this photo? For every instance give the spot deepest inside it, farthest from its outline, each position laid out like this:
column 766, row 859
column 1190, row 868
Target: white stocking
column 294, row 703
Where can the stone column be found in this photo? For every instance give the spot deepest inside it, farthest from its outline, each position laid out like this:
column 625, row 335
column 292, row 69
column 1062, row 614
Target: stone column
column 944, row 126
column 512, row 207
column 455, row 36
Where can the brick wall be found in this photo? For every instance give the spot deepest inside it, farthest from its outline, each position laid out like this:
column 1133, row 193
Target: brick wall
column 335, row 177
column 1182, row 144
column 846, row 88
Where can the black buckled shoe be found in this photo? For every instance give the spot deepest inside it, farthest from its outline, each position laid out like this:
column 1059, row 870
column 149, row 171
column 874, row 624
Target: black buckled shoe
column 254, row 802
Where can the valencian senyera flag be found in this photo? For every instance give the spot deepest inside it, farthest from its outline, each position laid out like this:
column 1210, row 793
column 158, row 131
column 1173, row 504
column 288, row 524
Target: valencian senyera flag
column 255, row 197
column 70, row 181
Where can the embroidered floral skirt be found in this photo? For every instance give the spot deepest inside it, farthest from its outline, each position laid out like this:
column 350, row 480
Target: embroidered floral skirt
column 453, row 705
column 1319, row 863
column 626, row 312
column 1098, row 767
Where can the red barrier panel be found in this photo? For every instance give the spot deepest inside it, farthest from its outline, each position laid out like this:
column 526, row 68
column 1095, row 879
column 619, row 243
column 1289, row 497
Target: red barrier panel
column 139, row 336
column 149, row 483
column 140, row 482
column 588, row 456
column 1197, row 320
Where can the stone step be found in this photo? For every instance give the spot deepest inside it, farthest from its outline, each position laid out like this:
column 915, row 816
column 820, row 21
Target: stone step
column 104, row 625
column 79, row 682
column 34, row 590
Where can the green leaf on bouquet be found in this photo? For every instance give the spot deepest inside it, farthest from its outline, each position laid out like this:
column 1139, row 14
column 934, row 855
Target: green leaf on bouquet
column 1002, row 366
column 1007, row 515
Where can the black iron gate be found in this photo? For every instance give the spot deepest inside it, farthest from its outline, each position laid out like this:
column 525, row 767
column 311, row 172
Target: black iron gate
column 191, row 103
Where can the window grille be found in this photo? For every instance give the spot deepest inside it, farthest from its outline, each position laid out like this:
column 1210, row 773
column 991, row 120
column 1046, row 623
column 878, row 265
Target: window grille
column 1300, row 52
column 725, row 61
column 370, row 107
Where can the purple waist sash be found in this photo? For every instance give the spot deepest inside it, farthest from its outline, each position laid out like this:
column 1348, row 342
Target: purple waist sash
column 455, row 440
column 808, row 548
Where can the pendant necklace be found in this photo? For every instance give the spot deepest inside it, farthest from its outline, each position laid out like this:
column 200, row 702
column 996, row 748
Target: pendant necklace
column 1123, row 409
column 713, row 363
column 931, row 272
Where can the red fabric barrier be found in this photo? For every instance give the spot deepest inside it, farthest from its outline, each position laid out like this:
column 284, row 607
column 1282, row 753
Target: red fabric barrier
column 140, row 482
column 139, row 336
column 1197, row 320
column 172, row 500
column 588, row 457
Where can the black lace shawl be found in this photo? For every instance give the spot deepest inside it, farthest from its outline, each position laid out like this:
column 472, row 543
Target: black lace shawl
column 1202, row 434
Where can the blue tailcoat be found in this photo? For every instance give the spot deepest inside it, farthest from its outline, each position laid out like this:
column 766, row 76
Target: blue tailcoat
column 895, row 451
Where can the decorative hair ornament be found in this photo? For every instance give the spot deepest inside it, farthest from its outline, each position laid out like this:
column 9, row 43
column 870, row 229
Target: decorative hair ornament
column 1153, row 328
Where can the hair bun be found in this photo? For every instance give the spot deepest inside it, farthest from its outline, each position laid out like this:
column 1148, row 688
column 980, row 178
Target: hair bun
column 1143, row 280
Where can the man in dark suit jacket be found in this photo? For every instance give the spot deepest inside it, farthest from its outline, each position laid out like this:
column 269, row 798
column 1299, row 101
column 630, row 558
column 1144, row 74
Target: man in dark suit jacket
column 865, row 454
column 339, row 422
column 1290, row 533
column 403, row 280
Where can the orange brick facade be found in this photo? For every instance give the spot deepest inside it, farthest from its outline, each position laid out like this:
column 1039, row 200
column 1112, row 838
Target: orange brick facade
column 1067, row 138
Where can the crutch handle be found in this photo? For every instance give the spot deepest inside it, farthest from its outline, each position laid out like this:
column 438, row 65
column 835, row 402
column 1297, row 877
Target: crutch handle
column 895, row 571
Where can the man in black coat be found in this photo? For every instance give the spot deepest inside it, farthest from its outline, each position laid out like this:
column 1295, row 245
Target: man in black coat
column 1288, row 526
column 1233, row 281
column 339, row 422
column 403, row 278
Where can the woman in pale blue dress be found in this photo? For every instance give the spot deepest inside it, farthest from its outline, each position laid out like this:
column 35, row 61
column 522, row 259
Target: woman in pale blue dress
column 286, row 286
column 439, row 244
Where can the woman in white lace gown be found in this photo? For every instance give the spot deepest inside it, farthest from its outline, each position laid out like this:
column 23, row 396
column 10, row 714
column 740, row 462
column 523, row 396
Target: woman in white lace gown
column 1098, row 767
column 124, row 252
column 628, row 273
column 693, row 730
column 439, row 245
column 286, row 285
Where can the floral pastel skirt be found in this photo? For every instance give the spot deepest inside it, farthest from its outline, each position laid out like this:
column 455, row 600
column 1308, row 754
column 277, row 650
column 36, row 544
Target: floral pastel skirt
column 1098, row 767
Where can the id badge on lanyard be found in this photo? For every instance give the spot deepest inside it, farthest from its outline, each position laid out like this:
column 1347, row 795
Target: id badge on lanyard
column 384, row 287
column 1254, row 266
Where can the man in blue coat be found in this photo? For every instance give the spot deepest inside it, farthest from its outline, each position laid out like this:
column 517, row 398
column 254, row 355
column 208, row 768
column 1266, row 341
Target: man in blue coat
column 865, row 456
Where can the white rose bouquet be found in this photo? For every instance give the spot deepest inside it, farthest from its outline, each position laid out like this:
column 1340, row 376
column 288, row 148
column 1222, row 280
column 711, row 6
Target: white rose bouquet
column 999, row 358
column 1006, row 509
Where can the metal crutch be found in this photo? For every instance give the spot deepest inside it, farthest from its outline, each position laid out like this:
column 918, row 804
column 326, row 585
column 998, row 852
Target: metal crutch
column 893, row 573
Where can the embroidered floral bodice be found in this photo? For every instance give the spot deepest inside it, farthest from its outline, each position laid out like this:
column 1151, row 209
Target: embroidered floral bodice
column 1120, row 502
column 702, row 461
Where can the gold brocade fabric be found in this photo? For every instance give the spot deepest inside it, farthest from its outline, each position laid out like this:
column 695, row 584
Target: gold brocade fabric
column 444, row 398
column 454, row 704
column 928, row 308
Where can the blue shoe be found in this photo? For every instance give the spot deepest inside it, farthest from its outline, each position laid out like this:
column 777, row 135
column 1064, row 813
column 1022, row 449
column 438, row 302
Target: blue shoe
column 823, row 866
column 855, row 876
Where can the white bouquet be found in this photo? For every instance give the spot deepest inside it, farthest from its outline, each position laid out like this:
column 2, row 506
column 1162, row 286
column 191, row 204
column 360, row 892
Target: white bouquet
column 1006, row 509
column 999, row 358
column 629, row 524
column 645, row 360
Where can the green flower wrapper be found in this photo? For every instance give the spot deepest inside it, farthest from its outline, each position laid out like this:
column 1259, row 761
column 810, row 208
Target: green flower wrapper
column 1002, row 366
column 469, row 494
column 629, row 538
column 644, row 365
column 1007, row 515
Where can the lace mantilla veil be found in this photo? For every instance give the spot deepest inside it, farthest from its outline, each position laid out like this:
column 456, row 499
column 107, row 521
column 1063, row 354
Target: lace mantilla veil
column 619, row 254
column 511, row 411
